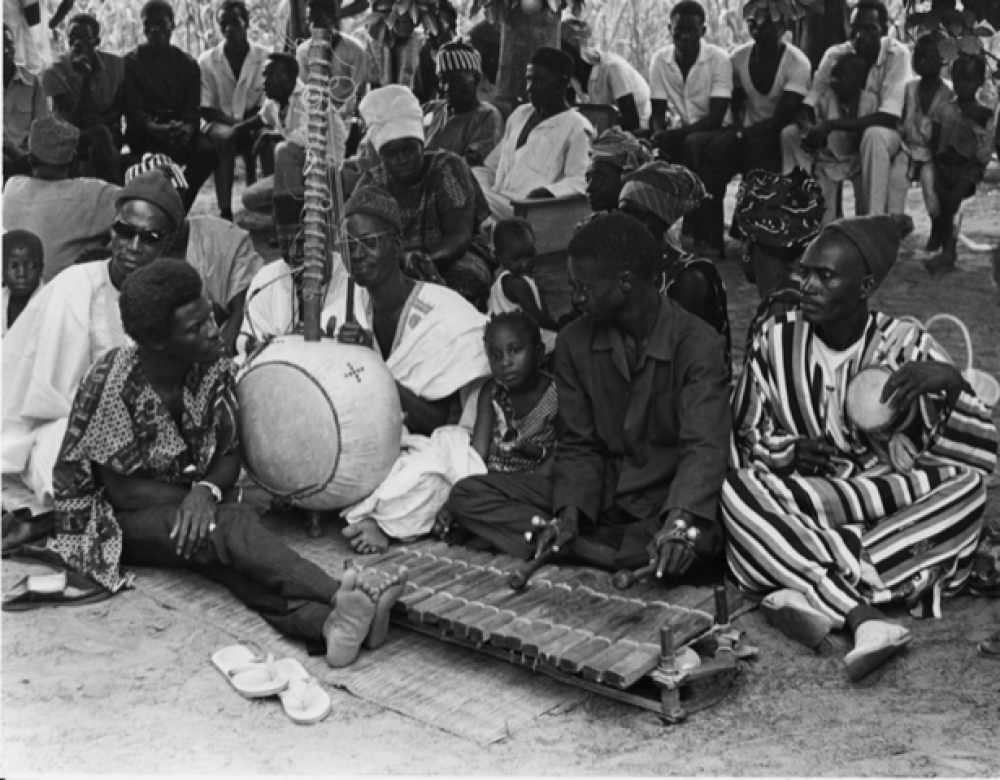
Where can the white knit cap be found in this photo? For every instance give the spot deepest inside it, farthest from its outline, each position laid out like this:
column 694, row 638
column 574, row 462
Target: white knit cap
column 391, row 113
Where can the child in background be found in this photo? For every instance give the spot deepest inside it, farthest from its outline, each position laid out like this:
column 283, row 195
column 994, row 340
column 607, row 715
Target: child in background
column 963, row 139
column 23, row 260
column 925, row 96
column 514, row 288
column 516, row 418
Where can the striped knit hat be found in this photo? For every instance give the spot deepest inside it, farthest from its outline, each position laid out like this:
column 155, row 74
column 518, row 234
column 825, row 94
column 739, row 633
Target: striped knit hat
column 666, row 190
column 158, row 162
column 457, row 56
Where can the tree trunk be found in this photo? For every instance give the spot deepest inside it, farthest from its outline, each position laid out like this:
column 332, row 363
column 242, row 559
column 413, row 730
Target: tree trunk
column 520, row 35
column 817, row 32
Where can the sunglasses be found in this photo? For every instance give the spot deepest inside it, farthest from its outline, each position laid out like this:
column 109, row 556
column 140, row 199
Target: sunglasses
column 128, row 232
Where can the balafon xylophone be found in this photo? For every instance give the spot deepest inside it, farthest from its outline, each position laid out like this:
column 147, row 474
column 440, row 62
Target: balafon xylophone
column 568, row 622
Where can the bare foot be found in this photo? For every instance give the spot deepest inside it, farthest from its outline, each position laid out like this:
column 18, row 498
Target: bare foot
column 349, row 623
column 366, row 537
column 384, row 589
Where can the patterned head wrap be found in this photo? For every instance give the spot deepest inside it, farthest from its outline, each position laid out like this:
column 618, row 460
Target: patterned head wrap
column 158, row 162
column 779, row 211
column 392, row 113
column 458, row 56
column 668, row 191
column 619, row 149
column 375, row 202
column 876, row 238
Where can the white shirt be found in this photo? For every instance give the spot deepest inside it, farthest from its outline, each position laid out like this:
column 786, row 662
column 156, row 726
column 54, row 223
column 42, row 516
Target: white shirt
column 711, row 76
column 348, row 71
column 222, row 90
column 612, row 78
column 794, row 75
column 887, row 78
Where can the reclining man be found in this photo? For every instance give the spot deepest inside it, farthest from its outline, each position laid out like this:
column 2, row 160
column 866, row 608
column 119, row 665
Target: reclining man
column 826, row 520
column 150, row 454
column 644, row 399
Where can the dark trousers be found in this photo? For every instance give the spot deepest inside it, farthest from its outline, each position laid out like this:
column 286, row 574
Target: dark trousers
column 499, row 508
column 97, row 145
column 289, row 592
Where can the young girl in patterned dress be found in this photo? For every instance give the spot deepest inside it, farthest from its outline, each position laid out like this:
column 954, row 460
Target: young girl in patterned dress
column 515, row 427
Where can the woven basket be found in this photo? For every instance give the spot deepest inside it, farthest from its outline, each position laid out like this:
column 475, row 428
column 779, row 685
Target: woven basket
column 986, row 386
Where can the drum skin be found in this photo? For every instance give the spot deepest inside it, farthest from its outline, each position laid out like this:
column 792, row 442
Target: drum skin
column 320, row 422
column 864, row 405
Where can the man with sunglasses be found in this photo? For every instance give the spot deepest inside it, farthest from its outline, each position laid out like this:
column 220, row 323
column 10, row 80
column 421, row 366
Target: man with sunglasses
column 74, row 321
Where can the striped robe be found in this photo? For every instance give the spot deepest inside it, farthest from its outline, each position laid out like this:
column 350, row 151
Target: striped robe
column 811, row 534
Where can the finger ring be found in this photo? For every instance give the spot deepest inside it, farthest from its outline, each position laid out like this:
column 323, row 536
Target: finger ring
column 211, row 527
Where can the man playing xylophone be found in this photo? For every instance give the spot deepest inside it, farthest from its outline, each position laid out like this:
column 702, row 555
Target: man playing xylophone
column 644, row 400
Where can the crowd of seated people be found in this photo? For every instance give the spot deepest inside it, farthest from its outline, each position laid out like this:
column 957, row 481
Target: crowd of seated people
column 611, row 436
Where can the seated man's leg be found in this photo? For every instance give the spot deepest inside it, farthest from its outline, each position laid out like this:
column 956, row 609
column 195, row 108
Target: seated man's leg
column 899, row 182
column 200, row 165
column 792, row 154
column 291, row 593
column 879, row 145
column 225, row 167
column 104, row 153
column 708, row 219
column 44, row 453
column 499, row 508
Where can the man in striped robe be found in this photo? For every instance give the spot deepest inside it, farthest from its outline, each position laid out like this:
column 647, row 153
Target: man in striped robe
column 825, row 520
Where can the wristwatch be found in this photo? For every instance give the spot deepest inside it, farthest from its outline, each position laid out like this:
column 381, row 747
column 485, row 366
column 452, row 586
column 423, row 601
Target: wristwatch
column 214, row 489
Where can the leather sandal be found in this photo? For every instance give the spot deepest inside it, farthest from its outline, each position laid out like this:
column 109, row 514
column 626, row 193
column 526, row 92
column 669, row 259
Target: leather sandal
column 63, row 589
column 20, row 528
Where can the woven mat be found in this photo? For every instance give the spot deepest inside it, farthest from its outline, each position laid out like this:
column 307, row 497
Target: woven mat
column 458, row 690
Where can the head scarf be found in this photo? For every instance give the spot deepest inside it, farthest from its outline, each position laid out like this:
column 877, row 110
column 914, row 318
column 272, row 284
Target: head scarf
column 619, row 149
column 375, row 202
column 154, row 187
column 779, row 211
column 53, row 141
column 458, row 56
column 554, row 60
column 668, row 191
column 392, row 113
column 876, row 238
column 158, row 162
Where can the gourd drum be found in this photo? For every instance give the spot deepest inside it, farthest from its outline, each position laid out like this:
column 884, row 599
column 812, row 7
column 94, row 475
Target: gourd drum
column 865, row 407
column 320, row 421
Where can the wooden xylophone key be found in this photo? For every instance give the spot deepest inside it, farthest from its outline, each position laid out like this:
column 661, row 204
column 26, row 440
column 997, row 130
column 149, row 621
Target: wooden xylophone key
column 579, row 622
column 508, row 610
column 486, row 605
column 635, row 646
column 472, row 579
column 446, row 613
column 570, row 656
column 543, row 620
column 430, row 579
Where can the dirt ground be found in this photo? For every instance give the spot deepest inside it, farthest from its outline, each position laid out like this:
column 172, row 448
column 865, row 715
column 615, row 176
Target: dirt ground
column 126, row 686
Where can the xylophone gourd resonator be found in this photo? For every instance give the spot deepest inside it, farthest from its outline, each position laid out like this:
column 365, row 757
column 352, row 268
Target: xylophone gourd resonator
column 320, row 421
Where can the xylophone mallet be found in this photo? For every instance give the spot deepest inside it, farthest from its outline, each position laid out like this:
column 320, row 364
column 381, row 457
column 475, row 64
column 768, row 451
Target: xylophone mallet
column 520, row 576
column 626, row 578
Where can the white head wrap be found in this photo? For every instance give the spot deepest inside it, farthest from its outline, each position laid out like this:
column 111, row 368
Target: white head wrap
column 391, row 113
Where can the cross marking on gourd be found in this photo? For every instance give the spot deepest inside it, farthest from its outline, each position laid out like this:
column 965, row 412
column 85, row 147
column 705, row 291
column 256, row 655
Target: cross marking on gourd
column 354, row 372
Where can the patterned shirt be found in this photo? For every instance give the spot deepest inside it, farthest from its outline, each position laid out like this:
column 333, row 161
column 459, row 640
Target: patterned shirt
column 537, row 427
column 447, row 185
column 119, row 422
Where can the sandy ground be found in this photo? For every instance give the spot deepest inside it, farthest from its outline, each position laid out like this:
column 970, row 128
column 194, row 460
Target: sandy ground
column 126, row 686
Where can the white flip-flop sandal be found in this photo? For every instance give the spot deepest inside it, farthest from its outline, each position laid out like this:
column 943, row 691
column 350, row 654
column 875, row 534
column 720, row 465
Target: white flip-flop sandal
column 304, row 700
column 250, row 675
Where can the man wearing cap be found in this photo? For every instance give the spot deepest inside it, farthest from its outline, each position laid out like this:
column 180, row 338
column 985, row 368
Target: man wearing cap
column 68, row 215
column 461, row 123
column 545, row 147
column 827, row 521
column 163, row 99
column 23, row 103
column 604, row 78
column 71, row 323
column 86, row 89
column 394, row 56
